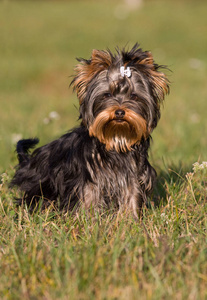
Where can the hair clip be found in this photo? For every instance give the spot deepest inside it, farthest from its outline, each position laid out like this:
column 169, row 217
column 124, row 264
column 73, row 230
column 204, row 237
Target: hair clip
column 125, row 72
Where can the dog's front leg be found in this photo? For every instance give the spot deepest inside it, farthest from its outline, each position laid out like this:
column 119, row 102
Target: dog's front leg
column 135, row 204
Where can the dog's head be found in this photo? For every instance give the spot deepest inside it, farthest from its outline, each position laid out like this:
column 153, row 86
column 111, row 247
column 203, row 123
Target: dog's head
column 120, row 96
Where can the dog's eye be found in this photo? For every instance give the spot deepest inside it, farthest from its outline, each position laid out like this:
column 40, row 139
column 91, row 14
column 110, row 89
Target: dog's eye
column 107, row 95
column 133, row 96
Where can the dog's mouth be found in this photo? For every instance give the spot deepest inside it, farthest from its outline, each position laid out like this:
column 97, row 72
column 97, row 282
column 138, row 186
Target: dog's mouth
column 119, row 124
column 118, row 120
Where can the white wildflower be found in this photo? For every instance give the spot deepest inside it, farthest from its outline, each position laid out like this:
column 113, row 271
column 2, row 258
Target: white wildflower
column 16, row 137
column 198, row 167
column 204, row 163
column 195, row 118
column 46, row 121
column 165, row 218
column 196, row 64
column 189, row 175
column 53, row 115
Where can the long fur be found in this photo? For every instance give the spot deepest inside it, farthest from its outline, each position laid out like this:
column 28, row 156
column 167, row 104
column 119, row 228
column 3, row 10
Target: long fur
column 105, row 160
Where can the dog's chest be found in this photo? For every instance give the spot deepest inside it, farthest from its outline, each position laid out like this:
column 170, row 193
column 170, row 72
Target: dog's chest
column 112, row 182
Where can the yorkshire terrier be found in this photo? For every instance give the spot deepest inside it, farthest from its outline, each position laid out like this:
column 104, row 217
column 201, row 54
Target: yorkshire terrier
column 103, row 162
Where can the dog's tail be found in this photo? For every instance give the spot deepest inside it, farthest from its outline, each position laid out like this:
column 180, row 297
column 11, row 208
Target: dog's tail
column 23, row 147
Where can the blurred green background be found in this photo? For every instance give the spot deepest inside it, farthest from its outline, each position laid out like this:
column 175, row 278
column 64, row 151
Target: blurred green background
column 39, row 41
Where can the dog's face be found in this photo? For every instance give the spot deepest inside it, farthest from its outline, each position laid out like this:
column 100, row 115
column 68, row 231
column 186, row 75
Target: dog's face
column 120, row 96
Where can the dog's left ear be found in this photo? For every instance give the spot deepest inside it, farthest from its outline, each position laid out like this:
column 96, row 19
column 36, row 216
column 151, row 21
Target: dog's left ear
column 158, row 80
column 86, row 70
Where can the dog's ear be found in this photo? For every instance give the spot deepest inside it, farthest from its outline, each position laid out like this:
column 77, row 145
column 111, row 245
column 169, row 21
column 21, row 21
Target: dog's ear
column 86, row 70
column 144, row 60
column 100, row 60
column 158, row 80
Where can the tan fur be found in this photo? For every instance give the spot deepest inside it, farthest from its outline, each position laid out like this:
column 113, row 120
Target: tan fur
column 119, row 136
column 100, row 60
column 159, row 79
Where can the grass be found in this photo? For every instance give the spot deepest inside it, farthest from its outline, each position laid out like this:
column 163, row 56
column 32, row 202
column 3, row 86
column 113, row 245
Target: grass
column 53, row 256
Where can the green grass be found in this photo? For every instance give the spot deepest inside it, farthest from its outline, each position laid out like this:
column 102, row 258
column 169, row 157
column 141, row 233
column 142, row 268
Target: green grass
column 110, row 256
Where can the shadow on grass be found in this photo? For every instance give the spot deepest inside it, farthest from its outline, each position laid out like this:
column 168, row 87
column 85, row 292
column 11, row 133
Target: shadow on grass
column 172, row 175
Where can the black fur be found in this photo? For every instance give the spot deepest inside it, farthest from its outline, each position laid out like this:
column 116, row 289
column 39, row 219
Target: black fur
column 77, row 169
column 63, row 168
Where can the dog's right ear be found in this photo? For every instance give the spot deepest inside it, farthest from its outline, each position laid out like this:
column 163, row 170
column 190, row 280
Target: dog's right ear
column 86, row 70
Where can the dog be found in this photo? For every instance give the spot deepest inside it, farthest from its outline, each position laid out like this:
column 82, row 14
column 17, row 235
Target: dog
column 103, row 162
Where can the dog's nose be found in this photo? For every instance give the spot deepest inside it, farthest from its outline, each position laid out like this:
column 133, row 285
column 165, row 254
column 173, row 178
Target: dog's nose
column 119, row 113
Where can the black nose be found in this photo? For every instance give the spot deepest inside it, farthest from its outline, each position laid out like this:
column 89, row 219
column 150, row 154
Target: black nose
column 119, row 113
